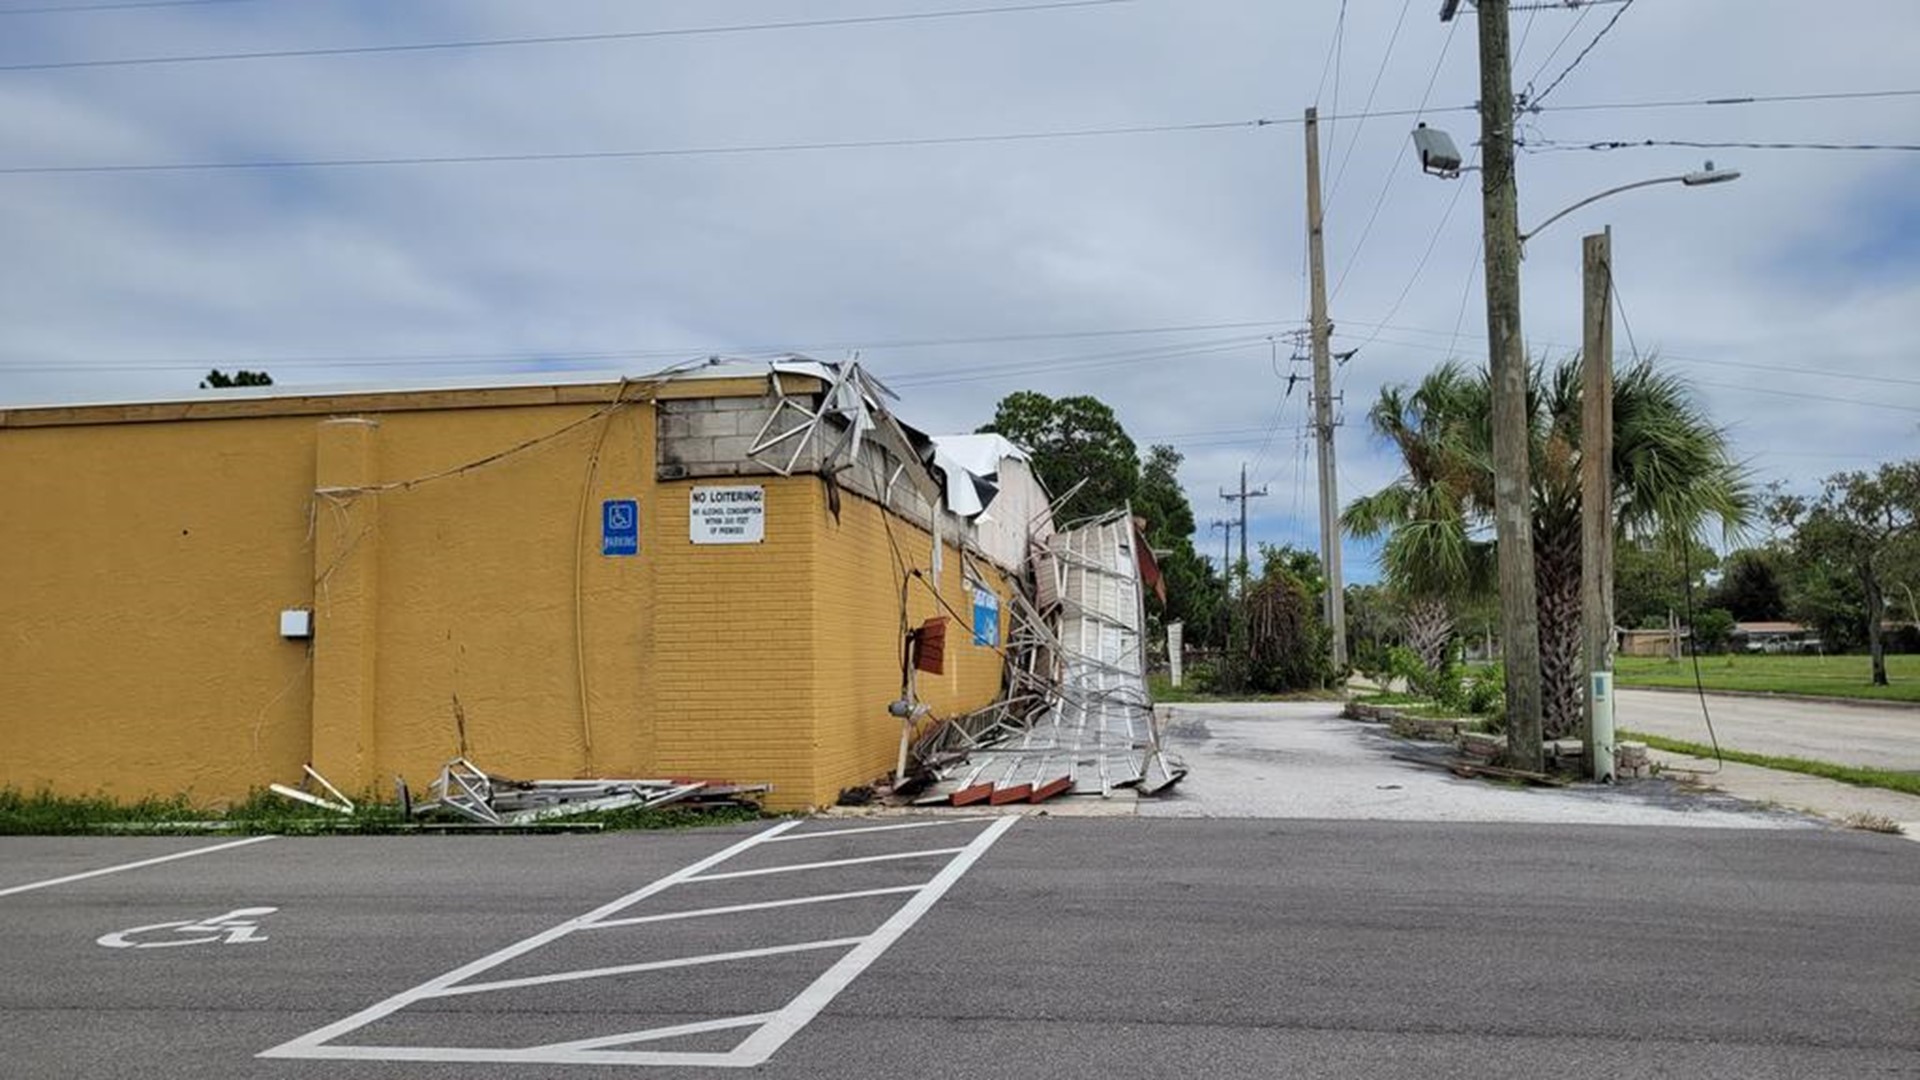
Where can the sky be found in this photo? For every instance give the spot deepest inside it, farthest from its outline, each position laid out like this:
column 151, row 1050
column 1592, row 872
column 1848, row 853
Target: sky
column 1163, row 271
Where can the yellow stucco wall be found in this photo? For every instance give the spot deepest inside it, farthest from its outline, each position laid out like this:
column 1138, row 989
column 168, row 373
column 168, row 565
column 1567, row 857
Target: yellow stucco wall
column 143, row 567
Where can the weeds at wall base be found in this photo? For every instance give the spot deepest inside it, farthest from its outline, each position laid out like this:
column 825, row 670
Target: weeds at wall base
column 46, row 814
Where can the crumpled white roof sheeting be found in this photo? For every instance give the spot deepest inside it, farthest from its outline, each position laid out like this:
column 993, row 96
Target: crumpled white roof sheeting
column 1098, row 726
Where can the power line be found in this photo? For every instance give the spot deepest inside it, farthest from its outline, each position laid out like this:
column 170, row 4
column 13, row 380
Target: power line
column 615, row 155
column 1394, row 172
column 1353, row 140
column 1697, row 144
column 535, row 355
column 1744, row 365
column 1747, row 99
column 556, row 39
column 1533, row 104
column 1572, row 29
column 1066, row 364
column 867, row 144
column 121, row 5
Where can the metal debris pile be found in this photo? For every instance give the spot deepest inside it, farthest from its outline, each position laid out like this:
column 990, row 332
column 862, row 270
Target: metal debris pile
column 470, row 791
column 1076, row 717
column 467, row 790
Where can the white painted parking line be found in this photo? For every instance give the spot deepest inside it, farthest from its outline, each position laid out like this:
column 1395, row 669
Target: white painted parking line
column 651, row 965
column 770, row 1030
column 132, row 865
column 787, row 1023
column 797, row 867
column 824, row 833
column 655, row 1034
column 734, row 909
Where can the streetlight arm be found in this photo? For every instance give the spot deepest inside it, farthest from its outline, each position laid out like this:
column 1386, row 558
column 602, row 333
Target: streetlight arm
column 1526, row 236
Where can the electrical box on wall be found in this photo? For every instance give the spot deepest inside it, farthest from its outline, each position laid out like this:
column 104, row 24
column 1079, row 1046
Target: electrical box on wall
column 296, row 624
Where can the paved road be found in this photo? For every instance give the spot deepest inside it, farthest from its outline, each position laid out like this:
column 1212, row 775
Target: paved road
column 1072, row 947
column 1877, row 736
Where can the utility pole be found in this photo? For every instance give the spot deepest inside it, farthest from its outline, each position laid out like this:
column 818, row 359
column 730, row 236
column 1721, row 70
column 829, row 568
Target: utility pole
column 1226, row 527
column 1242, row 498
column 1507, row 364
column 1322, row 332
column 1596, row 497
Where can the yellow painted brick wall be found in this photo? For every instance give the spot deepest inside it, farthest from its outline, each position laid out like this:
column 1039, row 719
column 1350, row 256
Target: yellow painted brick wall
column 858, row 571
column 477, row 594
column 142, row 571
column 734, row 643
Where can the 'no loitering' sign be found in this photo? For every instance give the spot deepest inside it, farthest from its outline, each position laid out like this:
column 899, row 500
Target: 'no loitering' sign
column 736, row 514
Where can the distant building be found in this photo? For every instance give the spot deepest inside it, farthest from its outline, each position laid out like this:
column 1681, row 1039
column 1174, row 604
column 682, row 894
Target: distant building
column 1773, row 637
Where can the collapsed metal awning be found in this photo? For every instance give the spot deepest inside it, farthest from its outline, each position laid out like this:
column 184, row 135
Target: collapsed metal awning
column 1076, row 717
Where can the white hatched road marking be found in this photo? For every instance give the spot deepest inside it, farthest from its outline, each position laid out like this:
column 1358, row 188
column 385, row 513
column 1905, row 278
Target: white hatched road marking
column 732, row 909
column 770, row 1030
column 133, row 865
column 797, row 867
column 826, row 833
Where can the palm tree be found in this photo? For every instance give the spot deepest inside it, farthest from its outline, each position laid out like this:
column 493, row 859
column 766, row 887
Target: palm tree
column 1672, row 474
column 1430, row 557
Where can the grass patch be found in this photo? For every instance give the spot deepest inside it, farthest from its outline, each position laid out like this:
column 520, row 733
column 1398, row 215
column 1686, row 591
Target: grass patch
column 1812, row 676
column 1161, row 690
column 1889, row 779
column 46, row 814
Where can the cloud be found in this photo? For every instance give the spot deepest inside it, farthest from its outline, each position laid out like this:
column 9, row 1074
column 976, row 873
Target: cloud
column 1806, row 264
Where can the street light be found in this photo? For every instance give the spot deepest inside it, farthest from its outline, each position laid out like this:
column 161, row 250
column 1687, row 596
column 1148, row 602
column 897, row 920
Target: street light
column 1440, row 157
column 1698, row 178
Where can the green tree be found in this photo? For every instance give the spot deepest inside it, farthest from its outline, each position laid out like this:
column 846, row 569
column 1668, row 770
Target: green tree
column 1072, row 439
column 1863, row 524
column 1711, row 629
column 1286, row 637
column 1749, row 586
column 220, row 380
column 1672, row 473
column 1650, row 578
column 1430, row 558
column 1374, row 625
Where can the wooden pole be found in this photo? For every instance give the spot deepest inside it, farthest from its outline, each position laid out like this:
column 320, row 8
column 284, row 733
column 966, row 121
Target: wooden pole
column 1322, row 332
column 1507, row 365
column 1596, row 488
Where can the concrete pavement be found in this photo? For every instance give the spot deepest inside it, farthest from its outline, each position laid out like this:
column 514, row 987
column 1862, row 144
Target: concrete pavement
column 1865, row 734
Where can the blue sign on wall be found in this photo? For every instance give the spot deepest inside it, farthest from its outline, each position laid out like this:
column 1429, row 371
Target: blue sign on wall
column 986, row 618
column 620, row 527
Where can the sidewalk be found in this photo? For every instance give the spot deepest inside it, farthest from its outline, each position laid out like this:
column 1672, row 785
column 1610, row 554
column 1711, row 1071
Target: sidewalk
column 1796, row 791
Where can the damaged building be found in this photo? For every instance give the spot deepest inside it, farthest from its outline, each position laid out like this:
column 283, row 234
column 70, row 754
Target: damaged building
column 717, row 571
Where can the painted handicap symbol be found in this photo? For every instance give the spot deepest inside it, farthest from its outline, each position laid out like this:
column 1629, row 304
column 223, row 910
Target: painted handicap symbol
column 236, row 927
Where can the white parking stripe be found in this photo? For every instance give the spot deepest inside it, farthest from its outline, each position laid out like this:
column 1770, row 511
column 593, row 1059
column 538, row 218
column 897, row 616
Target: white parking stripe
column 797, row 867
column 878, row 828
column 761, row 1045
column 769, row 1030
column 700, row 1027
column 763, row 905
column 651, row 965
column 305, row 1044
column 132, row 865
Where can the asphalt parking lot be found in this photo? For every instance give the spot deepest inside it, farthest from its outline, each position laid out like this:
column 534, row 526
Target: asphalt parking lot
column 960, row 947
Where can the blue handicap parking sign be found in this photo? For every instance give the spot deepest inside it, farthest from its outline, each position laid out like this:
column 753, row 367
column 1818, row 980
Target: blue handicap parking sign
column 620, row 527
